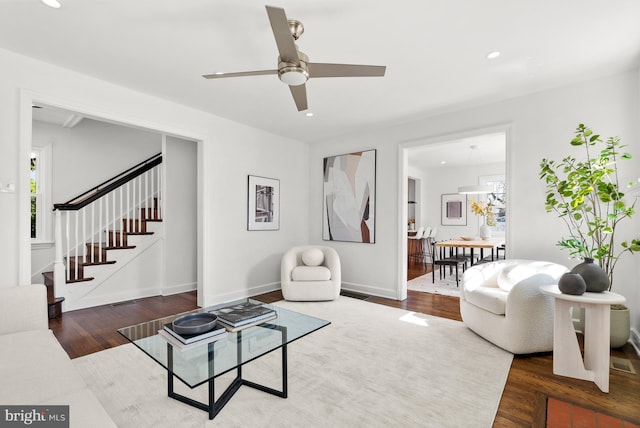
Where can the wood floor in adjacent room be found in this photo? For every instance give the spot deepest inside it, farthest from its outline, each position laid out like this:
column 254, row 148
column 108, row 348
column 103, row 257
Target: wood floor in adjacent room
column 530, row 379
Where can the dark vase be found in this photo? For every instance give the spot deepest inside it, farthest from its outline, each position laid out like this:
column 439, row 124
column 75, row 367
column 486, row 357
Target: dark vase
column 572, row 283
column 596, row 279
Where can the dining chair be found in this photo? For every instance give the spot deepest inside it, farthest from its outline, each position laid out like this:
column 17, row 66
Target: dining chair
column 438, row 256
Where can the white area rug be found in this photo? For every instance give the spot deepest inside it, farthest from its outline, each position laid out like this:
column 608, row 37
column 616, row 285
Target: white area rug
column 446, row 286
column 374, row 366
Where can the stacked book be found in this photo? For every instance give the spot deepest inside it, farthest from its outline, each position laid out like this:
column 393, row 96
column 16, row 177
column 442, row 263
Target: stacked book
column 243, row 315
column 185, row 342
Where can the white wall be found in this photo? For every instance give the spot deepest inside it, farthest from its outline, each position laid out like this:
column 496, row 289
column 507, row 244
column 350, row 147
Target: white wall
column 232, row 261
column 542, row 124
column 439, row 181
column 93, row 152
column 180, row 218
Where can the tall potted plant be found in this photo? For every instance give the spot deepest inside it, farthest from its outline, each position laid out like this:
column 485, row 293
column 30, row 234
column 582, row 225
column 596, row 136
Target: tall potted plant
column 586, row 195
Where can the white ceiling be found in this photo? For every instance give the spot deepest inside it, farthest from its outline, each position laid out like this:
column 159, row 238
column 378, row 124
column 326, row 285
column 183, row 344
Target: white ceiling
column 489, row 148
column 56, row 116
column 434, row 51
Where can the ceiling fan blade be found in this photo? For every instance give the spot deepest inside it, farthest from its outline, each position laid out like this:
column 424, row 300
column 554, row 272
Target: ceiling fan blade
column 318, row 69
column 299, row 96
column 239, row 74
column 282, row 34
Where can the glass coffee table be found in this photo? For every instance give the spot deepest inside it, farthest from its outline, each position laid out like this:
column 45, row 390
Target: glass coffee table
column 204, row 363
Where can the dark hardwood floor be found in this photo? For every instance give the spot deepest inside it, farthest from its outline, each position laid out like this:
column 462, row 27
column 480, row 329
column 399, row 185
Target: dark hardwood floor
column 90, row 330
column 530, row 380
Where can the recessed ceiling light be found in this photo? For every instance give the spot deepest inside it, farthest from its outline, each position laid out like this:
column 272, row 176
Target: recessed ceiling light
column 309, row 114
column 493, row 55
column 52, row 3
column 443, row 162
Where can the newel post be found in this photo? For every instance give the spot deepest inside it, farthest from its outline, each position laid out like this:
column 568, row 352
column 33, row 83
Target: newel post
column 59, row 276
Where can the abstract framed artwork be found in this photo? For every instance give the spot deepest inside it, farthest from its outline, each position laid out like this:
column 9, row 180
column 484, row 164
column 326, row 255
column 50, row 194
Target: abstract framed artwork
column 263, row 204
column 349, row 190
column 454, row 209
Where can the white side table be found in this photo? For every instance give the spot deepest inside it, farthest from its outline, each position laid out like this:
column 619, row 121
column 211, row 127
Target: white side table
column 567, row 359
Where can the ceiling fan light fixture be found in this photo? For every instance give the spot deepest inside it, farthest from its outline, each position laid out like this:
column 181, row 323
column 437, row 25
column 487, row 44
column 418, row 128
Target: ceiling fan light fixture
column 293, row 75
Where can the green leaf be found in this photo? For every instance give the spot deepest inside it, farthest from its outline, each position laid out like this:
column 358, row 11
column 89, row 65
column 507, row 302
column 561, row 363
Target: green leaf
column 619, row 206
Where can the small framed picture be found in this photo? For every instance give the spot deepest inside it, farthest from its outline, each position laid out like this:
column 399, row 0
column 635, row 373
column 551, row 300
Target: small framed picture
column 454, row 209
column 263, row 204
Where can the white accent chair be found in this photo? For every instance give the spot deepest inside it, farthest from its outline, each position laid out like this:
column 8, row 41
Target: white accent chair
column 501, row 301
column 310, row 273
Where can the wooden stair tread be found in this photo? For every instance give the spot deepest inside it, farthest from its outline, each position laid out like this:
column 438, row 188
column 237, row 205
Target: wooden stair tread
column 90, row 278
column 105, row 246
column 83, row 262
column 106, row 262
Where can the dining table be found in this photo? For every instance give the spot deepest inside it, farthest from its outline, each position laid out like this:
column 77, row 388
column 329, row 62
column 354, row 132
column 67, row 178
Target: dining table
column 473, row 244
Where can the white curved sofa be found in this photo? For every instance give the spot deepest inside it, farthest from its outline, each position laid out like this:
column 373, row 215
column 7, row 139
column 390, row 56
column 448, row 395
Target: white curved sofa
column 34, row 368
column 501, row 301
column 318, row 279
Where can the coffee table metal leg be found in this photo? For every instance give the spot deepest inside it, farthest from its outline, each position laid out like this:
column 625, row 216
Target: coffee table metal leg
column 211, row 408
column 214, row 407
column 284, row 392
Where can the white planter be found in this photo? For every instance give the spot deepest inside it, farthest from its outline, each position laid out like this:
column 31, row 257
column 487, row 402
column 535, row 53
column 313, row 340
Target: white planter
column 620, row 325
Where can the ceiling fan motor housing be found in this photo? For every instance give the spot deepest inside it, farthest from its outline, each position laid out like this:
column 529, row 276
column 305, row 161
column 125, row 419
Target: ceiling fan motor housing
column 294, row 74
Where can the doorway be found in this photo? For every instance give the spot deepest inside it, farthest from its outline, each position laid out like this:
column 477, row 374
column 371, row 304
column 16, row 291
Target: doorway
column 176, row 149
column 442, row 165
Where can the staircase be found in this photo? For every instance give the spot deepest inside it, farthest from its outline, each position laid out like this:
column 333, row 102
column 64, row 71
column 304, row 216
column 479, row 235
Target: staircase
column 124, row 208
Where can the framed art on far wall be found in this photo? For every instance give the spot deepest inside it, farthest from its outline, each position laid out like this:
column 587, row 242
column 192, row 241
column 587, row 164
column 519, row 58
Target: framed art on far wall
column 454, row 209
column 349, row 191
column 263, row 204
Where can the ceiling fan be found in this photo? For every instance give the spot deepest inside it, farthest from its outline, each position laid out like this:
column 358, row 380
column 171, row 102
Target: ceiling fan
column 294, row 68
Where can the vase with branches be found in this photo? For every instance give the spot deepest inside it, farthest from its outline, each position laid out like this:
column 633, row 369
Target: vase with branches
column 586, row 195
column 484, row 210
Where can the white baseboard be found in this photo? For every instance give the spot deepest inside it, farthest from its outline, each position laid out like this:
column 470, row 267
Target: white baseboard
column 215, row 299
column 368, row 289
column 89, row 302
column 179, row 288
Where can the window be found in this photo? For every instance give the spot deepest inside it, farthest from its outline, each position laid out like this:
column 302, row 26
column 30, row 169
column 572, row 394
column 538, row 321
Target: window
column 40, row 195
column 497, row 198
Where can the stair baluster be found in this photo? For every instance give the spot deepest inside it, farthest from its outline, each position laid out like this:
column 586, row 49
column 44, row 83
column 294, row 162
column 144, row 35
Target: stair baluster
column 116, row 208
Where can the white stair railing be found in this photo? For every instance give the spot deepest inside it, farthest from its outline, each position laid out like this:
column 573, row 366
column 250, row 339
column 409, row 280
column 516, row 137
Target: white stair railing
column 101, row 218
